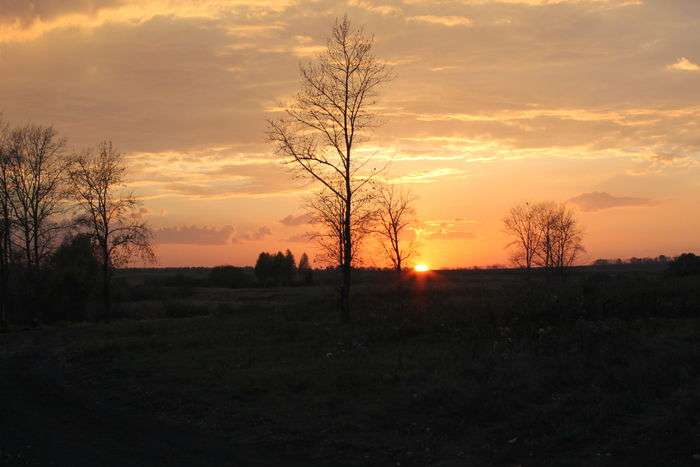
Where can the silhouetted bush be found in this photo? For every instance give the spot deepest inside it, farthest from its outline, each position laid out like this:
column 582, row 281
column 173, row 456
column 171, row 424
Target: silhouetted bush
column 231, row 276
column 276, row 269
column 686, row 264
column 73, row 272
column 306, row 273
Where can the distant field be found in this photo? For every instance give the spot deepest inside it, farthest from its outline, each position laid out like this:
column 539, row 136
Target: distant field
column 450, row 368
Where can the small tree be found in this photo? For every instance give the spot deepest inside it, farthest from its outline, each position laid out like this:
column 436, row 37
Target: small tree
column 263, row 268
column 568, row 237
column 290, row 267
column 305, row 270
column 522, row 223
column 545, row 234
column 687, row 264
column 34, row 175
column 74, row 268
column 36, row 169
column 110, row 217
column 394, row 216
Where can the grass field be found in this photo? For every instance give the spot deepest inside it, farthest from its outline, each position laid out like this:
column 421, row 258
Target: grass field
column 447, row 368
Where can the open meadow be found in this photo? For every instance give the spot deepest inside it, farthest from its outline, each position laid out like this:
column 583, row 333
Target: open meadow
column 599, row 367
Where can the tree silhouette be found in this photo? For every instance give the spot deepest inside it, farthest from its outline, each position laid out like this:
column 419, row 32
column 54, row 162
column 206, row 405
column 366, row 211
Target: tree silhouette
column 36, row 183
column 330, row 113
column 522, row 223
column 5, row 225
column 545, row 234
column 394, row 215
column 34, row 175
column 263, row 268
column 112, row 219
column 305, row 270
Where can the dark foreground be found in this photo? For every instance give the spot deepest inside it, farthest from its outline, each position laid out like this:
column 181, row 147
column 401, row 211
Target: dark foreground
column 464, row 369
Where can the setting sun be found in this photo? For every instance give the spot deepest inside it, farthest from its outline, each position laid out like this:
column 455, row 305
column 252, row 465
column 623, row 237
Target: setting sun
column 421, row 268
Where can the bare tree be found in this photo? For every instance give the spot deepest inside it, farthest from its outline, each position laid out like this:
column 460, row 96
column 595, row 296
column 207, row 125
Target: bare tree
column 545, row 234
column 328, row 117
column 394, row 215
column 327, row 212
column 112, row 219
column 522, row 224
column 36, row 170
column 567, row 242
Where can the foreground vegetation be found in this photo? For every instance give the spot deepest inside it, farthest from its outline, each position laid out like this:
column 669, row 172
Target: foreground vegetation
column 450, row 368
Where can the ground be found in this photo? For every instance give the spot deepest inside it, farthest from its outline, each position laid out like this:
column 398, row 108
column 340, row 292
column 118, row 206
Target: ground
column 478, row 368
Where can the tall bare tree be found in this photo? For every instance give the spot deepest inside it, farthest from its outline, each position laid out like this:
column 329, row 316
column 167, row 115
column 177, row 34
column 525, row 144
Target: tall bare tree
column 332, row 109
column 111, row 218
column 394, row 215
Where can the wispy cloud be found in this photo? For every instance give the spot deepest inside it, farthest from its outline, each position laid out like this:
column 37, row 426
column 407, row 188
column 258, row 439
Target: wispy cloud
column 294, row 220
column 194, row 235
column 448, row 21
column 427, row 176
column 597, row 201
column 208, row 235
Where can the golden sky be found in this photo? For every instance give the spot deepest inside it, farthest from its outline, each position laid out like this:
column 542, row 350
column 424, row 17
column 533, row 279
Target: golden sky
column 595, row 102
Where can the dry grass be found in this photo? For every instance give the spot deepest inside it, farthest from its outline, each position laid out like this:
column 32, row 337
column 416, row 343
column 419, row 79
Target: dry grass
column 466, row 369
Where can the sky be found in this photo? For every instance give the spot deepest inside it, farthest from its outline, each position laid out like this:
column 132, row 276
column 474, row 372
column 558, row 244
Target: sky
column 591, row 102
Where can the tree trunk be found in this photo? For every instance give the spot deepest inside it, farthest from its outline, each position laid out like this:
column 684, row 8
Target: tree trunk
column 106, row 289
column 5, row 273
column 347, row 280
column 347, row 253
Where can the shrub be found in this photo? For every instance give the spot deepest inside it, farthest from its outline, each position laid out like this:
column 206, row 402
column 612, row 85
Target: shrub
column 72, row 280
column 230, row 276
column 686, row 264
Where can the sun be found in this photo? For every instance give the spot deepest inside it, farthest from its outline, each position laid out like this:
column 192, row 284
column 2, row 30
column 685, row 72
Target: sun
column 421, row 268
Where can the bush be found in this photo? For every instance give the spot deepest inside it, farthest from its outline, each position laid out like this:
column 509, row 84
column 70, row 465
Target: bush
column 230, row 276
column 686, row 264
column 72, row 279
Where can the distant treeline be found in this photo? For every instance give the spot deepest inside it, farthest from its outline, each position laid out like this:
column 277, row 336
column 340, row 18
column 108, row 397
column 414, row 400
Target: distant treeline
column 271, row 269
column 659, row 260
column 685, row 264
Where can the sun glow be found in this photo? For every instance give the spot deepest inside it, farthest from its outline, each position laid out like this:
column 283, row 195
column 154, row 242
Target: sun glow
column 421, row 268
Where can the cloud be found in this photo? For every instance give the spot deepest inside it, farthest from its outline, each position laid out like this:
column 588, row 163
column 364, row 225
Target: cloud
column 206, row 235
column 598, row 200
column 25, row 13
column 28, row 20
column 449, row 21
column 194, row 235
column 252, row 236
column 427, row 176
column 373, row 7
column 294, row 220
column 300, row 238
column 445, row 234
column 684, row 64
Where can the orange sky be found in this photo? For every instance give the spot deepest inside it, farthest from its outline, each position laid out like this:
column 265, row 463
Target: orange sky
column 596, row 102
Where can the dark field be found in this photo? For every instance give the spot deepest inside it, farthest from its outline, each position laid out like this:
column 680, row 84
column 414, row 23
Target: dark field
column 601, row 367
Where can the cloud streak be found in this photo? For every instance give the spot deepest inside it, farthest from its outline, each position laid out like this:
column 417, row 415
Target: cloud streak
column 598, row 201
